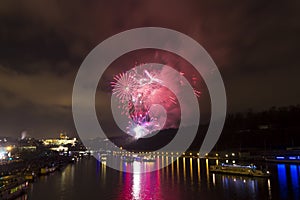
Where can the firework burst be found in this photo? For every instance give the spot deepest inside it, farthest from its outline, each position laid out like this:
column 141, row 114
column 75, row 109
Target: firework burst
column 123, row 85
column 137, row 90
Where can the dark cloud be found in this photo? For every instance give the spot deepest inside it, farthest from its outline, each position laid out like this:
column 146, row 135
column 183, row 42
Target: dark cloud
column 42, row 44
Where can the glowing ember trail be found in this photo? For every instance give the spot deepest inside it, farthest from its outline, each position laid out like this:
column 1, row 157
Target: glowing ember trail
column 137, row 90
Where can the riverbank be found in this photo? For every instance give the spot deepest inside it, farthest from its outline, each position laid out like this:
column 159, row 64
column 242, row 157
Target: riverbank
column 16, row 175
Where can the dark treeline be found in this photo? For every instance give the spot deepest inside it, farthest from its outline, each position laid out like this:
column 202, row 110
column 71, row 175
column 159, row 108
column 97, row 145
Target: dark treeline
column 282, row 117
column 275, row 128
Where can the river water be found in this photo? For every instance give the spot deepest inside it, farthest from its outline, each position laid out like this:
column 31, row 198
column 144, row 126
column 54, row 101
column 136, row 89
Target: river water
column 184, row 179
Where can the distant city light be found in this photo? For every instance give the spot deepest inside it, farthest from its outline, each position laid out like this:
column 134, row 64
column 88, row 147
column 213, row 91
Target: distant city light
column 2, row 155
column 63, row 140
column 9, row 148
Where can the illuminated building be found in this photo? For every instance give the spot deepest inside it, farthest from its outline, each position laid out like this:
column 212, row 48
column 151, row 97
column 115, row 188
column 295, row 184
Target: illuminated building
column 60, row 148
column 63, row 136
column 63, row 140
column 5, row 152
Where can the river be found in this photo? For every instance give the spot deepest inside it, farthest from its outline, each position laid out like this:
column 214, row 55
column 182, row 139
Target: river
column 186, row 178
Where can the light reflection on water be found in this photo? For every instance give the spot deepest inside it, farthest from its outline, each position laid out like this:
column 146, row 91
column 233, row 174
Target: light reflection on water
column 288, row 181
column 198, row 167
column 185, row 178
column 140, row 185
column 295, row 180
column 282, row 180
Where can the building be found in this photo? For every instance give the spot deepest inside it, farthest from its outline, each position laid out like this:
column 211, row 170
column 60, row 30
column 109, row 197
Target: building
column 63, row 140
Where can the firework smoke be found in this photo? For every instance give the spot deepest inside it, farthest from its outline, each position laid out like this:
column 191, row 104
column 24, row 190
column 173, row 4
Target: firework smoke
column 144, row 99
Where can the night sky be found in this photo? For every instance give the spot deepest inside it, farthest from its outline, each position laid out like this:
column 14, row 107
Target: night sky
column 255, row 44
